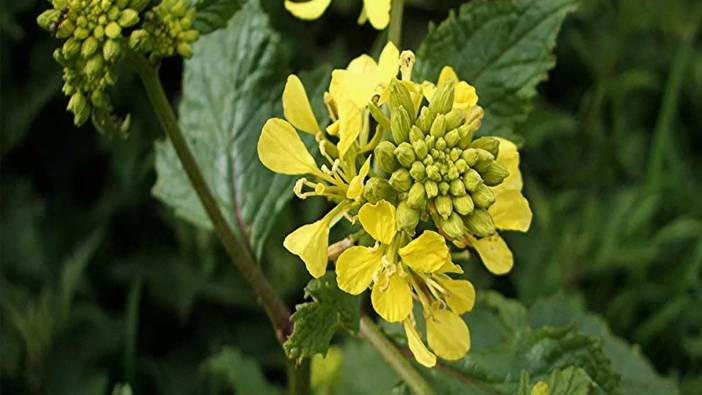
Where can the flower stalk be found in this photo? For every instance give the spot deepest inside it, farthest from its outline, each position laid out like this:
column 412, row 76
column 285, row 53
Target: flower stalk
column 395, row 29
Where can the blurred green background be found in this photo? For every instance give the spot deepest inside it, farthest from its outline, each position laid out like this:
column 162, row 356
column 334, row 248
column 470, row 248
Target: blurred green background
column 101, row 284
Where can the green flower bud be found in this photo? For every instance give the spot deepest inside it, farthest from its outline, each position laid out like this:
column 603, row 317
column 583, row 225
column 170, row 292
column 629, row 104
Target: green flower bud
column 433, row 173
column 400, row 180
column 377, row 189
column 128, row 18
column 400, row 125
column 470, row 156
column 452, row 226
column 420, row 149
column 431, row 188
column 466, row 136
column 138, row 4
column 385, row 156
column 455, row 154
column 406, row 217
column 179, row 8
column 113, row 30
column 444, row 206
column 415, row 134
column 440, row 144
column 452, row 173
column 94, row 65
column 485, row 159
column 121, row 4
column 425, row 119
column 417, row 196
column 114, row 13
column 483, row 196
column 454, row 118
column 428, row 160
column 48, row 18
column 473, row 117
column 67, row 28
column 405, row 154
column 443, row 188
column 442, row 101
column 78, row 105
column 379, row 116
column 430, row 140
column 495, row 174
column 489, row 144
column 400, row 97
column 111, row 50
column 438, row 128
column 99, row 32
column 89, row 47
column 99, row 99
column 457, row 188
column 461, row 166
column 71, row 48
column 418, row 171
column 105, row 4
column 452, row 138
column 463, row 204
column 479, row 223
column 139, row 40
column 472, row 180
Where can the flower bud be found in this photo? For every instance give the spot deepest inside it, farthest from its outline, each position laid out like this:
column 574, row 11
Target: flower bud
column 495, row 174
column 472, row 180
column 138, row 5
column 405, row 154
column 452, row 226
column 433, row 173
column 128, row 18
column 457, row 188
column 442, row 101
column 473, row 116
column 470, row 156
column 48, row 18
column 463, row 204
column 385, row 156
column 415, row 134
column 438, row 128
column 94, row 65
column 452, row 173
column 485, row 158
column 489, row 144
column 400, row 97
column 99, row 99
column 444, row 206
column 71, row 48
column 417, row 196
column 440, row 144
column 406, row 217
column 400, row 125
column 452, row 138
column 483, row 196
column 443, row 188
column 430, row 140
column 420, row 149
column 425, row 119
column 454, row 118
column 113, row 30
column 428, row 160
column 466, row 136
column 78, row 105
column 401, row 180
column 111, row 50
column 379, row 116
column 455, row 154
column 121, row 4
column 114, row 13
column 479, row 223
column 89, row 47
column 431, row 188
column 418, row 171
column 461, row 165
column 377, row 189
column 139, row 40
column 67, row 28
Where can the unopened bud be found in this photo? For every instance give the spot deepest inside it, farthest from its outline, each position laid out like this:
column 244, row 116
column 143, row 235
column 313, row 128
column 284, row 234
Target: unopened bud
column 440, row 144
column 463, row 204
column 400, row 97
column 139, row 40
column 485, row 159
column 461, row 165
column 479, row 223
column 114, row 13
column 48, row 18
column 415, row 134
column 418, row 171
column 452, row 138
column 472, row 180
column 444, row 206
column 401, row 180
column 455, row 154
column 128, row 18
column 377, row 189
column 138, row 5
column 454, row 118
column 405, row 154
column 417, row 196
column 489, row 144
column 442, row 101
column 483, row 196
column 67, row 28
column 111, row 50
column 94, row 65
column 379, row 116
column 89, row 47
column 406, row 217
column 99, row 99
column 113, row 30
column 428, row 160
column 433, row 173
column 443, row 188
column 466, row 136
column 438, row 128
column 495, row 174
column 189, row 35
column 452, row 173
column 430, row 140
column 452, row 226
column 385, row 156
column 431, row 188
column 400, row 125
column 420, row 149
column 425, row 119
column 71, row 48
column 470, row 156
column 456, row 187
column 78, row 105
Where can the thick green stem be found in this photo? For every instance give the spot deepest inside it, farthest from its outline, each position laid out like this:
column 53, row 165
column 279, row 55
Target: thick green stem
column 299, row 377
column 394, row 357
column 395, row 29
column 240, row 256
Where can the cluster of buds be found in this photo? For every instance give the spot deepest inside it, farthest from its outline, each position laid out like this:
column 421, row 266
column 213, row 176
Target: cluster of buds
column 432, row 166
column 167, row 29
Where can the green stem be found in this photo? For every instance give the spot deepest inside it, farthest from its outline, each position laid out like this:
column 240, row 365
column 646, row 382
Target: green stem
column 394, row 357
column 299, row 377
column 274, row 306
column 395, row 29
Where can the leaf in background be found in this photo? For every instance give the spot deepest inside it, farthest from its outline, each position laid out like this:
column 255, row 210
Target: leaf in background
column 503, row 48
column 316, row 322
column 230, row 87
column 241, row 373
column 214, row 14
column 569, row 381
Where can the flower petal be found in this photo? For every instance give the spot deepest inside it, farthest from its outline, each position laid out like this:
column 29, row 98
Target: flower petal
column 461, row 294
column 447, row 334
column 296, row 106
column 447, row 74
column 427, row 253
column 281, row 150
column 311, row 9
column 392, row 298
column 511, row 210
column 416, row 345
column 450, row 267
column 508, row 156
column 350, row 124
column 378, row 12
column 379, row 221
column 389, row 61
column 495, row 253
column 356, row 185
column 464, row 96
column 310, row 243
column 355, row 268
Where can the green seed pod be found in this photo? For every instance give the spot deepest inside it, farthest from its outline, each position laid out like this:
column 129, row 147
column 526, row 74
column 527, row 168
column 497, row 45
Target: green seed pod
column 377, row 189
column 401, row 180
column 385, row 156
column 484, row 160
column 420, row 149
column 128, row 18
column 415, row 134
column 483, row 196
column 442, row 101
column 443, row 188
column 479, row 223
column 433, row 173
column 431, row 188
column 470, row 156
column 113, row 30
column 425, row 119
column 111, row 50
column 90, row 45
column 463, row 204
column 457, row 188
column 495, row 174
column 454, row 118
column 466, row 136
column 452, row 138
column 452, row 226
column 48, row 18
column 71, row 48
column 472, row 180
column 418, row 171
column 489, row 144
column 417, row 196
column 400, row 125
column 444, row 206
column 400, row 97
column 406, row 217
column 405, row 154
column 438, row 128
column 379, row 116
column 67, row 29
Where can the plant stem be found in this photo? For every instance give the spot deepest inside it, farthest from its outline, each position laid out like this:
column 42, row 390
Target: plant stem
column 299, row 377
column 394, row 357
column 240, row 256
column 395, row 29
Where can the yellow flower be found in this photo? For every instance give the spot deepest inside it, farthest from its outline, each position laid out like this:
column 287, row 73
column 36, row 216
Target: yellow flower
column 376, row 11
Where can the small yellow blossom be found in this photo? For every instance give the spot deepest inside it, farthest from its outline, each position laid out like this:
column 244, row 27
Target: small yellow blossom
column 375, row 11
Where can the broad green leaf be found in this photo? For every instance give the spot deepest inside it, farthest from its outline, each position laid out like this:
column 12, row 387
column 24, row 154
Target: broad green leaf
column 503, row 48
column 231, row 87
column 240, row 373
column 316, row 322
column 214, row 14
column 569, row 381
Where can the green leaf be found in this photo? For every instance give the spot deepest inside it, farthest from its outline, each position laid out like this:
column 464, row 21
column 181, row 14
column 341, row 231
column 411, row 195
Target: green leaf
column 214, row 14
column 240, row 373
column 316, row 322
column 503, row 48
column 569, row 381
column 231, row 87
